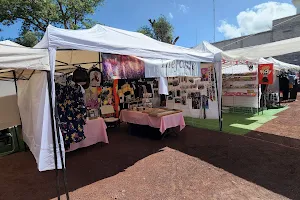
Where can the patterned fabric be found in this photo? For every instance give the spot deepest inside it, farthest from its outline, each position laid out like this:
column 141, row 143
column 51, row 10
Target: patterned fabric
column 72, row 113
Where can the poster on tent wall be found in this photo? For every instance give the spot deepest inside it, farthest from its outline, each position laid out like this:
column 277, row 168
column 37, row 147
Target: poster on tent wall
column 195, row 96
column 171, row 68
column 265, row 74
column 122, row 67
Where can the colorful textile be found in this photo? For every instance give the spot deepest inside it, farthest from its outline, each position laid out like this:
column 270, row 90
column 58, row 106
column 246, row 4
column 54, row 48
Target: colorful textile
column 72, row 113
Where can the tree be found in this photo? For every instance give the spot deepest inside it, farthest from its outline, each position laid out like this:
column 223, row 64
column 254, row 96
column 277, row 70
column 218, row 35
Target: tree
column 36, row 15
column 28, row 39
column 160, row 29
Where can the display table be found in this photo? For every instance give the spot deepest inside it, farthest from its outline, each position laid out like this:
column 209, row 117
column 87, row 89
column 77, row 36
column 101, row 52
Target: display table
column 95, row 131
column 162, row 123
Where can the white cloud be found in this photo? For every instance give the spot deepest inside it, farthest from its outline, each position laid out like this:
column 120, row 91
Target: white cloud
column 183, row 8
column 171, row 15
column 257, row 19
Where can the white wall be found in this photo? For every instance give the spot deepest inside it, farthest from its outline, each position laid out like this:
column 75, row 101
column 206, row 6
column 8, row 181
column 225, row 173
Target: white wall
column 7, row 88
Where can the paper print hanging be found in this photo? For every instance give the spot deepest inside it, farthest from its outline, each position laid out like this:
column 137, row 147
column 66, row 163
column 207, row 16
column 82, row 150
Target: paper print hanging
column 95, row 77
column 265, row 73
column 196, row 100
column 204, row 74
column 91, row 98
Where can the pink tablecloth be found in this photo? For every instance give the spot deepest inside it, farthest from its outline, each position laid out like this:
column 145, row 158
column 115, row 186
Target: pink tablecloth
column 95, row 131
column 163, row 123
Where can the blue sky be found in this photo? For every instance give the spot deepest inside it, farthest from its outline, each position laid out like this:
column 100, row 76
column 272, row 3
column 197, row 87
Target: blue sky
column 192, row 19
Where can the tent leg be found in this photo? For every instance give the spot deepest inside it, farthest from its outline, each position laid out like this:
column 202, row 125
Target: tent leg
column 61, row 156
column 16, row 87
column 58, row 137
column 53, row 134
column 219, row 109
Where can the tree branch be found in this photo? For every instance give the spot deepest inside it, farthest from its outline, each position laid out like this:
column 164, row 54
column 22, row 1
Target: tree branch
column 63, row 14
column 36, row 24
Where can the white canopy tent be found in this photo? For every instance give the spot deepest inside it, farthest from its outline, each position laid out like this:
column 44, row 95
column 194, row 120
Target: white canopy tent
column 20, row 63
column 209, row 48
column 231, row 59
column 68, row 48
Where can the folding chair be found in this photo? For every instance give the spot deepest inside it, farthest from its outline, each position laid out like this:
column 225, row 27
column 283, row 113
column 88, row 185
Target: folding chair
column 108, row 114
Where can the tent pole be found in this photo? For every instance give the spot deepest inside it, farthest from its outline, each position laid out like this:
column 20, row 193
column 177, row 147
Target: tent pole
column 61, row 154
column 99, row 61
column 53, row 133
column 60, row 151
column 278, row 89
column 16, row 87
column 219, row 109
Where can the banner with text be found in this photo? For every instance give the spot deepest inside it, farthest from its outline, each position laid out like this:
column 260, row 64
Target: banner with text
column 130, row 67
column 171, row 68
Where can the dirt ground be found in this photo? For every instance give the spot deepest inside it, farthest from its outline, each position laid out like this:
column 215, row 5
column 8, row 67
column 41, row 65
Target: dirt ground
column 198, row 164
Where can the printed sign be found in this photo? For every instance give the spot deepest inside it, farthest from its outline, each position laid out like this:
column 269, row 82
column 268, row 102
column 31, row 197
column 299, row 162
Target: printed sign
column 265, row 74
column 171, row 68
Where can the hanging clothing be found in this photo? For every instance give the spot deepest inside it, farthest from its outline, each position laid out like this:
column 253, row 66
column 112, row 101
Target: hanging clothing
column 284, row 87
column 72, row 113
column 294, row 91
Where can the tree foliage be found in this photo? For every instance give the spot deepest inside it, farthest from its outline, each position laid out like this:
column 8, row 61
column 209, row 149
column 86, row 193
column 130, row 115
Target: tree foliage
column 28, row 39
column 160, row 29
column 36, row 15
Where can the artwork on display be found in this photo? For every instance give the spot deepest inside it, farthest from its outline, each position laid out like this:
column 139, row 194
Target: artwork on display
column 205, row 104
column 107, row 96
column 194, row 96
column 265, row 73
column 204, row 74
column 177, row 100
column 196, row 100
column 175, row 82
column 178, row 93
column 122, row 67
column 95, row 77
column 183, row 100
column 91, row 98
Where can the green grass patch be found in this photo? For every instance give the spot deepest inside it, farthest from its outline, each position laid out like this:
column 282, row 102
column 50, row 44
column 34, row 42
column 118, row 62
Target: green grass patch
column 236, row 123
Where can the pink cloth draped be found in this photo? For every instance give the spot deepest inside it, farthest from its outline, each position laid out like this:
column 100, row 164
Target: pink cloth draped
column 94, row 131
column 163, row 123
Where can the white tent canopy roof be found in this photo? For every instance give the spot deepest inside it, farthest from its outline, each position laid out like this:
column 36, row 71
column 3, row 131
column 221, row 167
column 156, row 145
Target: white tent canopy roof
column 209, row 48
column 268, row 50
column 15, row 56
column 22, row 60
column 116, row 41
column 229, row 55
column 283, row 65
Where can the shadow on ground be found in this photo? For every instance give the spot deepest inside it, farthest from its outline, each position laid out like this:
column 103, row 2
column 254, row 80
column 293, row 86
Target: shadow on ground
column 272, row 166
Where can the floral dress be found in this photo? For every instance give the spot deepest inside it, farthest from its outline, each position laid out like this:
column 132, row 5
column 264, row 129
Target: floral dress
column 72, row 113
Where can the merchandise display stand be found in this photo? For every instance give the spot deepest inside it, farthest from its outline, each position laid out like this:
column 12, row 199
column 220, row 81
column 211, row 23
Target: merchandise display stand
column 240, row 92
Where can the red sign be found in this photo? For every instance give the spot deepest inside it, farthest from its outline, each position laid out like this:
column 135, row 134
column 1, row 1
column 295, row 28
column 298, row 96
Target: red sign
column 265, row 74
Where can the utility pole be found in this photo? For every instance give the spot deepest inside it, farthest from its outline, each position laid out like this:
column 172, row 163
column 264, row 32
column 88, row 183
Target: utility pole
column 214, row 18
